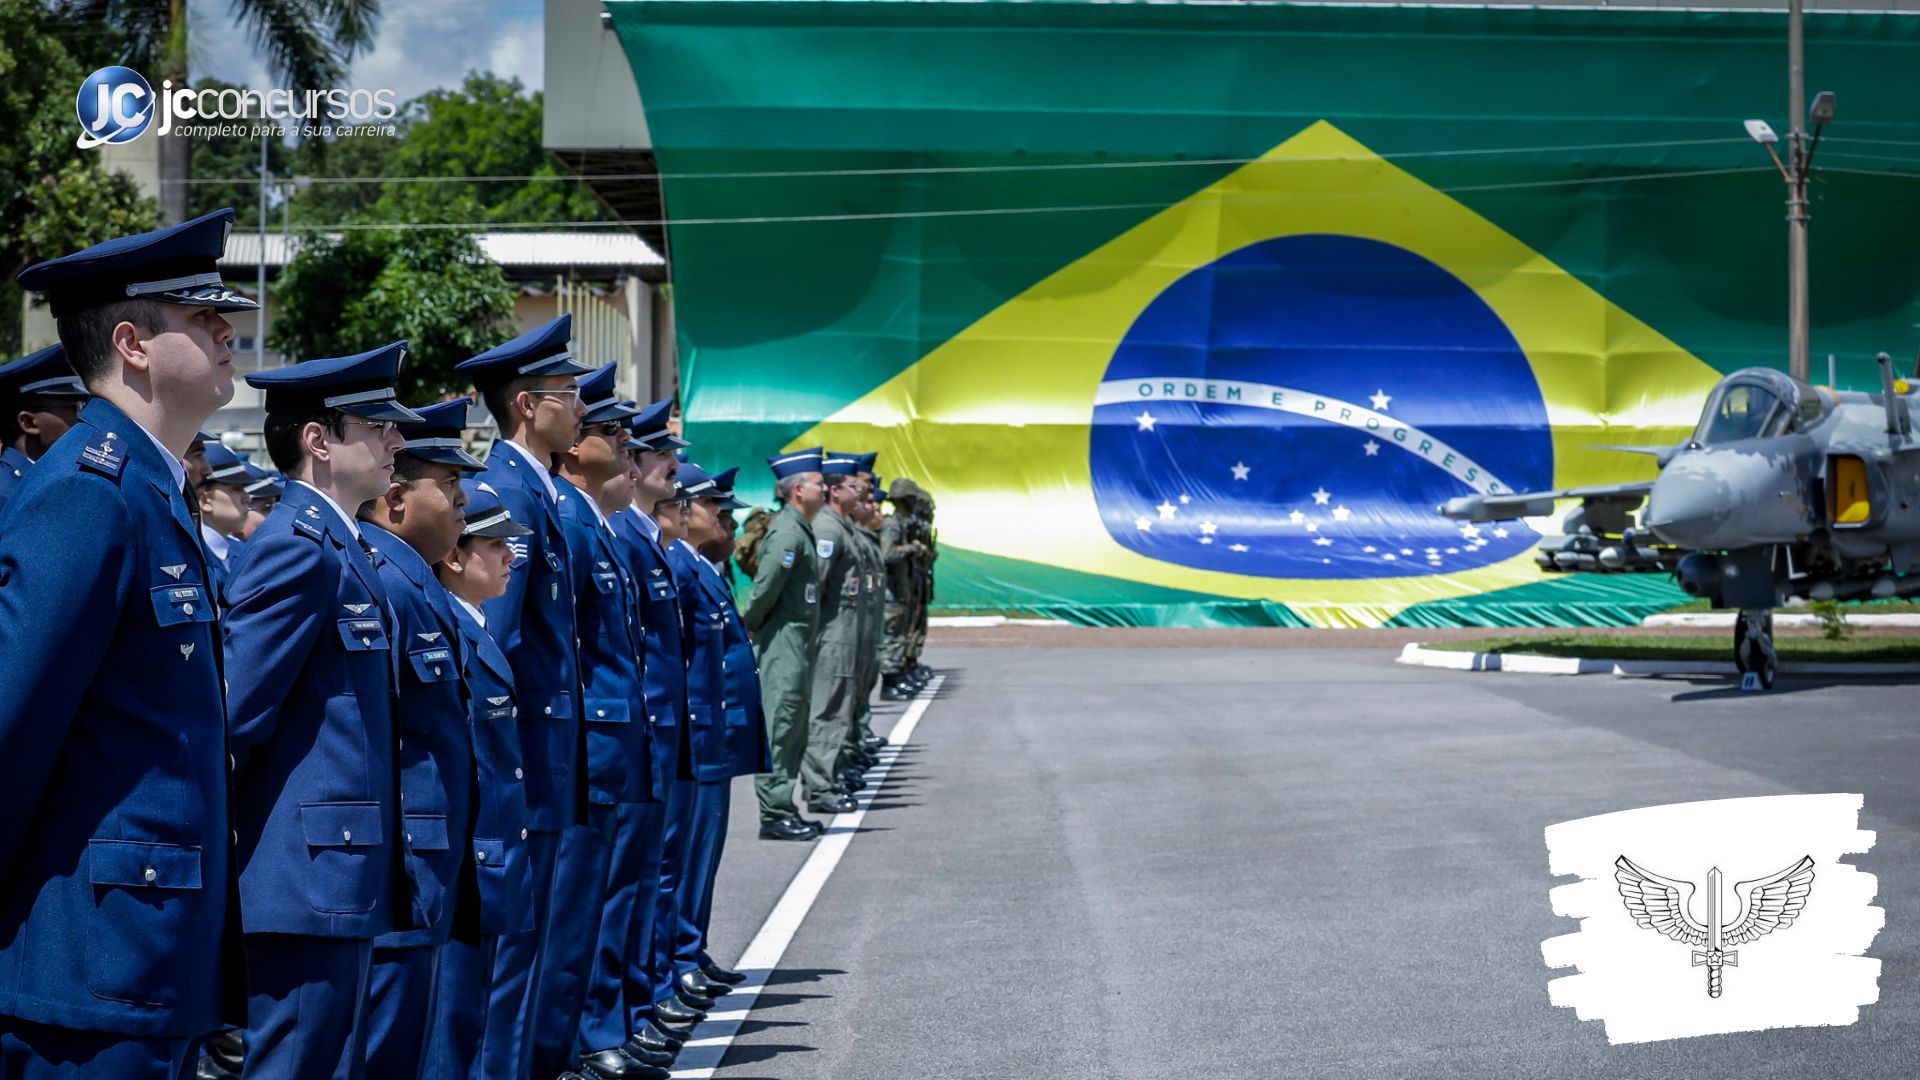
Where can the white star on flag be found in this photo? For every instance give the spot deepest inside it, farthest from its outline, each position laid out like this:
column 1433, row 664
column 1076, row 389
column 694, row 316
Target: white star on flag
column 1322, row 541
column 1388, row 556
column 1380, row 399
column 1453, row 551
column 1206, row 539
column 1313, row 527
column 1145, row 420
column 1240, row 470
column 1433, row 551
column 1296, row 517
column 1167, row 510
column 1320, row 496
column 1406, row 551
column 1372, row 448
column 1185, row 499
column 1469, row 532
column 1499, row 534
column 1369, row 549
column 1209, row 528
column 1143, row 524
column 1237, row 547
column 1341, row 513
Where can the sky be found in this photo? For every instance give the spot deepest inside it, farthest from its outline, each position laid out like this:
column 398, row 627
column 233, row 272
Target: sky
column 420, row 45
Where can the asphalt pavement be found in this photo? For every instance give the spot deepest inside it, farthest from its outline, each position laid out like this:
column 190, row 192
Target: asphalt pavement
column 1277, row 862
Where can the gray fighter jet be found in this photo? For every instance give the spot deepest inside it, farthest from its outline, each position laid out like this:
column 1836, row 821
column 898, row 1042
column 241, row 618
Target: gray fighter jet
column 1784, row 490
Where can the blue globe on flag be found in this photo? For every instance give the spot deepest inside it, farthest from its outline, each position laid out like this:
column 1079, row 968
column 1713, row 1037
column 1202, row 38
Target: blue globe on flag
column 1298, row 408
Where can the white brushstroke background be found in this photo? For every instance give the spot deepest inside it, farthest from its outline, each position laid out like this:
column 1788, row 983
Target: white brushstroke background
column 1641, row 984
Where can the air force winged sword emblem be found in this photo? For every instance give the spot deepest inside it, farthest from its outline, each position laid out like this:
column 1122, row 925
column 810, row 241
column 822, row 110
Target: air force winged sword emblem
column 1661, row 903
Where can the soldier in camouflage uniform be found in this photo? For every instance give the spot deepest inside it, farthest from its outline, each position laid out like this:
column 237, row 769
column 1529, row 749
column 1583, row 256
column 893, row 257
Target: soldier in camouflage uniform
column 783, row 615
column 922, row 533
column 897, row 550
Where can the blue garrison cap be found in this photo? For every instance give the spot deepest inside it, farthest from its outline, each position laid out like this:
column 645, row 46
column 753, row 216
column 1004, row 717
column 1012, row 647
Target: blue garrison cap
column 438, row 436
column 867, row 460
column 650, row 427
column 794, row 462
column 361, row 384
column 228, row 467
column 723, row 489
column 600, row 399
column 539, row 352
column 270, row 485
column 837, row 463
column 486, row 514
column 45, row 373
column 175, row 265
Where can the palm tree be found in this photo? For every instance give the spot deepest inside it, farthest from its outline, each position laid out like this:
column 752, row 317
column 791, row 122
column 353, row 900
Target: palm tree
column 306, row 44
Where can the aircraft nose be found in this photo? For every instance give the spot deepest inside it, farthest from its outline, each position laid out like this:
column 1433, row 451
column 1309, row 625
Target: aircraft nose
column 1686, row 508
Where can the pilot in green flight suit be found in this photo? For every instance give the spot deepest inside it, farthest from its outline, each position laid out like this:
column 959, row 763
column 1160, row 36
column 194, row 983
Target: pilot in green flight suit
column 783, row 615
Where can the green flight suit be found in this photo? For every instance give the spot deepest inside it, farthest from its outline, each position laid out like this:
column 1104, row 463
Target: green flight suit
column 897, row 553
column 836, row 693
column 783, row 615
column 873, row 617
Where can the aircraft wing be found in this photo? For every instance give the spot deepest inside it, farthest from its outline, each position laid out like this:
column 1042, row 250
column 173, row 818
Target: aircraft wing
column 1506, row 507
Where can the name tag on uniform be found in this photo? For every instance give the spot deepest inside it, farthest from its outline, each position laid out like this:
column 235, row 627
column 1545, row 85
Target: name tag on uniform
column 826, row 549
column 175, row 604
column 606, row 582
column 786, row 559
column 363, row 635
column 433, row 665
column 813, row 593
column 661, row 589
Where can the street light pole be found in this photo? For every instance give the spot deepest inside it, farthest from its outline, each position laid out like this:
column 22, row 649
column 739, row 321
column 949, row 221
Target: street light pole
column 1800, row 344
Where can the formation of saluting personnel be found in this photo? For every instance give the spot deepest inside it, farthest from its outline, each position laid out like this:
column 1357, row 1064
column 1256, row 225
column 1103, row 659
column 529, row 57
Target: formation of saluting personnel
column 394, row 762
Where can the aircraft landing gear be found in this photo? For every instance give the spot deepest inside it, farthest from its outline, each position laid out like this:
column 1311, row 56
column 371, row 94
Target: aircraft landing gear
column 1753, row 653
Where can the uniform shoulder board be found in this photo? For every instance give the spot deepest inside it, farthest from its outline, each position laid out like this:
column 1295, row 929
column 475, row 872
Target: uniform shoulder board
column 105, row 453
column 307, row 529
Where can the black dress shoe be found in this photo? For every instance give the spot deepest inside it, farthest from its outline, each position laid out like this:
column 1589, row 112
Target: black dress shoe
column 654, row 1037
column 817, row 826
column 924, row 672
column 851, row 781
column 209, row 1069
column 699, row 1003
column 671, row 1031
column 637, row 1048
column 787, row 829
column 696, row 983
column 722, row 975
column 838, row 804
column 616, row 1065
column 673, row 1012
column 874, row 743
column 895, row 692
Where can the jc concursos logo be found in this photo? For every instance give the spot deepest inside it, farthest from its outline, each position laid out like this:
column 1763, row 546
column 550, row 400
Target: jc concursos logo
column 115, row 106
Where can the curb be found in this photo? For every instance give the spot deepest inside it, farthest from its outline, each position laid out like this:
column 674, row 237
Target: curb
column 974, row 621
column 1418, row 655
column 1723, row 620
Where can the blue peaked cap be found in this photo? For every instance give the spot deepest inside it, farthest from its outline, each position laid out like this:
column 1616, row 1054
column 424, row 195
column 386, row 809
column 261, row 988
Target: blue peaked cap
column 45, row 373
column 361, row 384
column 649, row 425
column 723, row 489
column 486, row 514
column 795, row 462
column 440, row 435
column 540, row 351
column 227, row 467
column 175, row 265
column 601, row 400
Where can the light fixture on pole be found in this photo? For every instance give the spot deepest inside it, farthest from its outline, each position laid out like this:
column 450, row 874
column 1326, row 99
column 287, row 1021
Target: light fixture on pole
column 1794, row 171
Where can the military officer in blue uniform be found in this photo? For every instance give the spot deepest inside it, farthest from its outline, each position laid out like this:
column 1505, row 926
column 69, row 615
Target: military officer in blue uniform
column 119, row 934
column 40, row 398
column 310, row 642
column 224, row 503
column 470, row 1041
column 723, row 695
column 415, row 523
column 528, row 384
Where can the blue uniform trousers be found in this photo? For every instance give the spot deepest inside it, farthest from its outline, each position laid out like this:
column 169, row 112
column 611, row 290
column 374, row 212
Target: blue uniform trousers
column 573, row 926
column 633, row 862
column 647, row 843
column 399, row 1009
column 676, row 859
column 516, row 967
column 462, row 1043
column 694, row 908
column 30, row 1051
column 306, row 1007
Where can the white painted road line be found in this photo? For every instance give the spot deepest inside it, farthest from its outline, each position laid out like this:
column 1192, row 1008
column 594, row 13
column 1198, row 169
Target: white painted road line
column 713, row 1035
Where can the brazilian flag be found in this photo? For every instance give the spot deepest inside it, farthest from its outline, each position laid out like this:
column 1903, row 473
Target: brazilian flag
column 1192, row 314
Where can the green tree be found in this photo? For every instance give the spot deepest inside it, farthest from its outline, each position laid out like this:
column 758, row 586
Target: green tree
column 54, row 197
column 366, row 288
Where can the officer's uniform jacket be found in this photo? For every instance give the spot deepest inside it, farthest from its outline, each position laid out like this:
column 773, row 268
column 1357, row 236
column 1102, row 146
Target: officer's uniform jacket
column 705, row 614
column 503, row 883
column 13, row 469
column 619, row 739
column 666, row 660
column 746, row 720
column 311, row 710
column 534, row 626
column 434, row 738
column 116, row 873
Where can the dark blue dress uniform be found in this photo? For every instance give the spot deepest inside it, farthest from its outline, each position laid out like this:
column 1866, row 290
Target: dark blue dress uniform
column 473, row 1035
column 534, row 626
column 310, row 640
column 223, row 552
column 44, row 373
column 666, row 698
column 729, row 734
column 436, row 764
column 119, row 933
